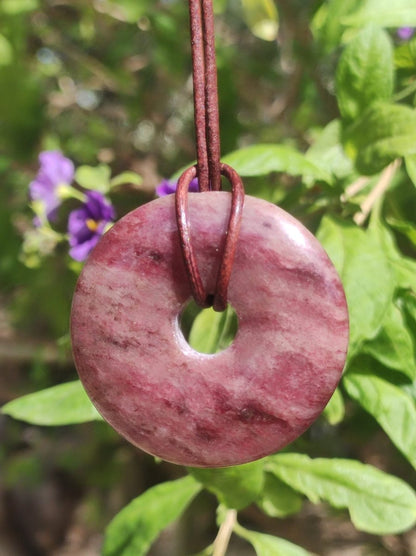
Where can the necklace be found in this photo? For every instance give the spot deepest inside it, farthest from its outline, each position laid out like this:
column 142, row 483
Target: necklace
column 220, row 248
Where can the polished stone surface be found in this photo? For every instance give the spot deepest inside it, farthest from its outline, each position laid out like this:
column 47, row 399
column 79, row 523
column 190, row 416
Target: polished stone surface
column 195, row 409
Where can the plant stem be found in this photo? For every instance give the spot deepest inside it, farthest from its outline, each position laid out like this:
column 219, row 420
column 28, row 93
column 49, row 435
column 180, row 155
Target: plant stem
column 224, row 533
column 411, row 88
column 69, row 192
column 377, row 192
column 355, row 188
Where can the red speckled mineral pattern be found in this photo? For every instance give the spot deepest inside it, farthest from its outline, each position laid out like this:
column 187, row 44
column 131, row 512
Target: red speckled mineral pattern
column 196, row 409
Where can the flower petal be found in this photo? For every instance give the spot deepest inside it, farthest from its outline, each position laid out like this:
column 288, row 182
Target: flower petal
column 87, row 224
column 77, row 226
column 55, row 168
column 167, row 187
column 81, row 251
column 405, row 33
column 98, row 207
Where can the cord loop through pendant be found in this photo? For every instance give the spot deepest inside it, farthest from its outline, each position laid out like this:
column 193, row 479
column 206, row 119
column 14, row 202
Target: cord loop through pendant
column 217, row 299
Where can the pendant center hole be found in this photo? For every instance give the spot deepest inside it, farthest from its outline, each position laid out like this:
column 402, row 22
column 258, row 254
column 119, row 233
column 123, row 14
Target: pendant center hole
column 206, row 330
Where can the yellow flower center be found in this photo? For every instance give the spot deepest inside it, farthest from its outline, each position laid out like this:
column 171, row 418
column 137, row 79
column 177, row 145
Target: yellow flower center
column 92, row 224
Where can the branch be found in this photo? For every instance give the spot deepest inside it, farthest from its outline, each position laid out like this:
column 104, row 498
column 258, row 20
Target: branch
column 377, row 192
column 24, row 351
column 224, row 534
column 354, row 188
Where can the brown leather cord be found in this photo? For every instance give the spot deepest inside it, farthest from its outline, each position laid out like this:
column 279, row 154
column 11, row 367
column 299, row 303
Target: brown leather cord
column 234, row 223
column 209, row 167
column 198, row 72
column 211, row 97
column 204, row 68
column 218, row 298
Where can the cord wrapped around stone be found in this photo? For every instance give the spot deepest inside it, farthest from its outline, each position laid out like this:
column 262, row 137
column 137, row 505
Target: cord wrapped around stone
column 218, row 298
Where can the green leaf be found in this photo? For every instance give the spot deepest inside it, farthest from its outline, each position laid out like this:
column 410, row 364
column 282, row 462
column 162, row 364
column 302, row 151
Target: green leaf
column 378, row 503
column 262, row 18
column 334, row 412
column 267, row 545
column 235, row 487
column 404, row 227
column 392, row 408
column 128, row 10
column 410, row 162
column 328, row 153
column 383, row 133
column 366, row 274
column 405, row 57
column 404, row 268
column 278, row 499
column 393, row 346
column 365, row 72
column 408, row 300
column 220, row 6
column 14, row 7
column 126, row 177
column 134, row 529
column 207, row 551
column 327, row 26
column 213, row 331
column 385, row 13
column 259, row 160
column 96, row 178
column 6, row 51
column 65, row 404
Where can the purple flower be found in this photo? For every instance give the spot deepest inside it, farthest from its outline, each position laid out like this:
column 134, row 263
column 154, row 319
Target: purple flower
column 405, row 33
column 167, row 187
column 55, row 170
column 87, row 224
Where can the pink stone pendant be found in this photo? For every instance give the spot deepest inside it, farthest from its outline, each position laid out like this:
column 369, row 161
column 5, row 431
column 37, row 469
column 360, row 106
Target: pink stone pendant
column 195, row 409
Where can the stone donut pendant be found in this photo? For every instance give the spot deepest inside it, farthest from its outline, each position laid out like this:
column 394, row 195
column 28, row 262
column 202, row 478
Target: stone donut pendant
column 203, row 410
